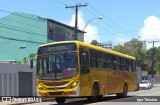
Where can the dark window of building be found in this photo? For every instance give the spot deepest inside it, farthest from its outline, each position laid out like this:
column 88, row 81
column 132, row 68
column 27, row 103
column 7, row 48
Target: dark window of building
column 55, row 33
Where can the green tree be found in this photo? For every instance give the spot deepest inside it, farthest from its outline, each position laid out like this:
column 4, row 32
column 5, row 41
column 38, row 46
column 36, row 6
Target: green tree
column 25, row 60
column 133, row 48
column 33, row 57
column 145, row 58
column 119, row 48
column 153, row 58
column 19, row 62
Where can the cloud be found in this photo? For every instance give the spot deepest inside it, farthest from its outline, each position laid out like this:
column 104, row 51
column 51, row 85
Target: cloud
column 92, row 32
column 151, row 30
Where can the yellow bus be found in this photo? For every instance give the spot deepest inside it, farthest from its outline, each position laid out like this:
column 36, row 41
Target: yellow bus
column 77, row 69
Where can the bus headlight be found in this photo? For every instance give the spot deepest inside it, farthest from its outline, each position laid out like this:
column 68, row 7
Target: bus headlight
column 74, row 84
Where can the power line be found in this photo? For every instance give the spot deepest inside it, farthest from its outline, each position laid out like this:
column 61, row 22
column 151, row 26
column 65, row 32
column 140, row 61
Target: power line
column 23, row 23
column 102, row 22
column 2, row 37
column 58, row 1
column 11, row 28
column 26, row 16
column 99, row 27
column 17, row 29
column 108, row 20
column 21, row 35
column 106, row 23
column 76, row 17
column 23, row 16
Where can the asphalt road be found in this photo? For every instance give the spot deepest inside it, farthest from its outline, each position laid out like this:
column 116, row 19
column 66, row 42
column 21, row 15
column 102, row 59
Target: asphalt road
column 141, row 97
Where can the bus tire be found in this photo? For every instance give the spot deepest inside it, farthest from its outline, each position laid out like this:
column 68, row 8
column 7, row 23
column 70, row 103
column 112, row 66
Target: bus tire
column 95, row 93
column 125, row 91
column 60, row 100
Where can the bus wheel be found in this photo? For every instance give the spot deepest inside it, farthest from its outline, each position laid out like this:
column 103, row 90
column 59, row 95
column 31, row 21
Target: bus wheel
column 60, row 100
column 125, row 91
column 95, row 93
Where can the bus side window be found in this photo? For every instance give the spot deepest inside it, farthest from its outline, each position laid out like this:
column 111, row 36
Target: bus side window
column 101, row 60
column 93, row 59
column 84, row 61
column 114, row 62
column 109, row 61
column 130, row 66
column 133, row 66
column 118, row 61
column 123, row 64
column 106, row 62
column 127, row 65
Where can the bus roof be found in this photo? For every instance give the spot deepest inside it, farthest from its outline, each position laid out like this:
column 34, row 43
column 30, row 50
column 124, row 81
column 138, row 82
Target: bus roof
column 94, row 47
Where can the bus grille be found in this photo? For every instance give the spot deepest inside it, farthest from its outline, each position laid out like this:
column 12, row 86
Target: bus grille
column 55, row 93
column 56, row 88
column 56, row 83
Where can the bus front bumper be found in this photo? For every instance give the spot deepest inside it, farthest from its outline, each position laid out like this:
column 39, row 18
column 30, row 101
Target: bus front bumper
column 60, row 93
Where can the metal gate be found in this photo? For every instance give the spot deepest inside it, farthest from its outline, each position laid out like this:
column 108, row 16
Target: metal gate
column 25, row 83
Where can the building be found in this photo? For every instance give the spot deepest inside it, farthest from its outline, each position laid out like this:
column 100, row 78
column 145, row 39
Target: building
column 135, row 44
column 21, row 34
column 107, row 45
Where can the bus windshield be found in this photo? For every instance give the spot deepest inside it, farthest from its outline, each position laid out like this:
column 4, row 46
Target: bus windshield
column 57, row 66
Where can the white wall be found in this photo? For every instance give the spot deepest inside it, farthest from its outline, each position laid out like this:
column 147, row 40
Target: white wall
column 9, row 78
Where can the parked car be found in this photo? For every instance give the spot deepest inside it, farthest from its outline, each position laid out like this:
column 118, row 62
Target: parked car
column 145, row 84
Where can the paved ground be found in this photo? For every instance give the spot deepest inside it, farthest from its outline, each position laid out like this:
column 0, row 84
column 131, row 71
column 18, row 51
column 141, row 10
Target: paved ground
column 47, row 101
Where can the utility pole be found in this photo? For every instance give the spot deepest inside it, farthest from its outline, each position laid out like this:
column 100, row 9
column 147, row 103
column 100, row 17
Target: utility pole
column 76, row 17
column 152, row 56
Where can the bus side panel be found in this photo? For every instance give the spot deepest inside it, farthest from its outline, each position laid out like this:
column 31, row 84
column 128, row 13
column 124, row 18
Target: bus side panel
column 123, row 77
column 133, row 82
column 120, row 80
column 104, row 81
column 85, row 85
column 111, row 82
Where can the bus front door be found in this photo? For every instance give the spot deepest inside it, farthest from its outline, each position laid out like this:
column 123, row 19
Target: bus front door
column 85, row 73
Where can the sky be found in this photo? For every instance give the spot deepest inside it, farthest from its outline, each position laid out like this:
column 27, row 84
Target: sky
column 121, row 20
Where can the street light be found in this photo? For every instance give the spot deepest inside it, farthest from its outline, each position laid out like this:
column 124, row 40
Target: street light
column 91, row 20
